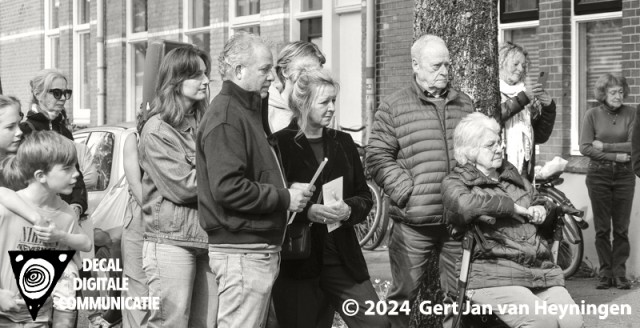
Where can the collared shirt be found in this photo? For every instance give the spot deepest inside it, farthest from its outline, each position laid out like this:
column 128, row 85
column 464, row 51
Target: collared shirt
column 443, row 93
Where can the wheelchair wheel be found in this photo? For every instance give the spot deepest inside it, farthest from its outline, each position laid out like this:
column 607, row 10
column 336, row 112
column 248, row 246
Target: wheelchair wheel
column 571, row 248
column 372, row 230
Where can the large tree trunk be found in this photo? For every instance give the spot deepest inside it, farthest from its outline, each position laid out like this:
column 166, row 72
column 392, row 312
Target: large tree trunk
column 469, row 27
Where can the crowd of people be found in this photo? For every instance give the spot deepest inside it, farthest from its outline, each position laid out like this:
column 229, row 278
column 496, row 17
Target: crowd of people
column 218, row 188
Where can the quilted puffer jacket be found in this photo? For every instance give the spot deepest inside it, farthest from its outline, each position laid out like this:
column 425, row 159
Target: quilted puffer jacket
column 410, row 151
column 514, row 254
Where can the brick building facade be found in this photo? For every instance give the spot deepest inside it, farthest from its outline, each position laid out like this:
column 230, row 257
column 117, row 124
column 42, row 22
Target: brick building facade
column 573, row 40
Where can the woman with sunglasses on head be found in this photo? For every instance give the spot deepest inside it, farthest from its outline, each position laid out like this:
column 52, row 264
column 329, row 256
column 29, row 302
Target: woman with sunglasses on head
column 49, row 92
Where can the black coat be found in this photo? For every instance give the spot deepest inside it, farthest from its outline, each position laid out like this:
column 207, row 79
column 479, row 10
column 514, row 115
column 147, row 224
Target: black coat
column 300, row 164
column 40, row 122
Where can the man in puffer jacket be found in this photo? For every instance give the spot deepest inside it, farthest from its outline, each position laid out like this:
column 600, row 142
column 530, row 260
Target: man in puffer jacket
column 410, row 151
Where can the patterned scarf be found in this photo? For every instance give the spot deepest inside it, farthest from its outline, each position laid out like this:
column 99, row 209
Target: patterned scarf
column 518, row 132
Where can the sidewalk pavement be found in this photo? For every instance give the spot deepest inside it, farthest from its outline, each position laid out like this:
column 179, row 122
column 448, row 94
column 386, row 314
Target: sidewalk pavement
column 582, row 289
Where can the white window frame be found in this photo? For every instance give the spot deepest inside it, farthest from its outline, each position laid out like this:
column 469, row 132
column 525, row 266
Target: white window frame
column 80, row 115
column 188, row 31
column 575, row 70
column 132, row 38
column 242, row 21
column 49, row 35
column 503, row 28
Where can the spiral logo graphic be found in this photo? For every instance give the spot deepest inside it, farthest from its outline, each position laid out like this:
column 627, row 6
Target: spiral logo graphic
column 37, row 273
column 36, row 277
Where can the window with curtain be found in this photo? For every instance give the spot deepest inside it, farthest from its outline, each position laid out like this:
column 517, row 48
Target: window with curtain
column 247, row 7
column 198, row 24
column 518, row 10
column 599, row 51
column 584, row 7
column 528, row 39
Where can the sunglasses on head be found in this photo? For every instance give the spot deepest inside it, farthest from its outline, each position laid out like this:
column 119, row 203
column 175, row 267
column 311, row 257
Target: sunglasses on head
column 57, row 93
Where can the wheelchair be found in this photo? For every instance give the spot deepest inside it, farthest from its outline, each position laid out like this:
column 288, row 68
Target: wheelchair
column 552, row 231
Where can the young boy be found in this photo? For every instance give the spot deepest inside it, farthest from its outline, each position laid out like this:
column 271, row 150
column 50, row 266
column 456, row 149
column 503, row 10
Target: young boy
column 46, row 163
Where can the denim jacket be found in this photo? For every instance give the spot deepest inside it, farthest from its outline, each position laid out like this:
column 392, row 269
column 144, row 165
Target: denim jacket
column 169, row 189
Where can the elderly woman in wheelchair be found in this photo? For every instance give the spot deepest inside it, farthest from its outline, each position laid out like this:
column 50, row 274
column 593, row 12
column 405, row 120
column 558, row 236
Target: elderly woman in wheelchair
column 511, row 262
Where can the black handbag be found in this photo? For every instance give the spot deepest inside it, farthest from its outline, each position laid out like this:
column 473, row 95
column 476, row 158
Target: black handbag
column 297, row 241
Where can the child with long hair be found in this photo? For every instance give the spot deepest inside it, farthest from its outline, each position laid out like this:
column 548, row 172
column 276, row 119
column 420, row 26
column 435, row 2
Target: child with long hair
column 45, row 164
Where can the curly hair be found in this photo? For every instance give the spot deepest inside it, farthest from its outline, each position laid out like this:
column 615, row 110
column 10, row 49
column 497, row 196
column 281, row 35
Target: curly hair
column 238, row 51
column 508, row 49
column 606, row 81
column 306, row 89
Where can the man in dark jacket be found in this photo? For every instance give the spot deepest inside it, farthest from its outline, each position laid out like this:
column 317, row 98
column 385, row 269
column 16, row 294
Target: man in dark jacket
column 410, row 151
column 242, row 195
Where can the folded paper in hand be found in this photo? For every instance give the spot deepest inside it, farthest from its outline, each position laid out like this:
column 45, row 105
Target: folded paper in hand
column 332, row 193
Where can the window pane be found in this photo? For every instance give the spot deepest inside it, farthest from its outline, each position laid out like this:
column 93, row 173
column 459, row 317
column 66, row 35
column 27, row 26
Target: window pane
column 311, row 30
column 100, row 146
column 528, row 39
column 55, row 51
column 84, row 11
column 139, row 15
column 201, row 40
column 138, row 69
column 247, row 7
column 581, row 2
column 308, row 5
column 520, row 5
column 55, row 11
column 84, row 94
column 255, row 29
column 199, row 13
column 601, row 52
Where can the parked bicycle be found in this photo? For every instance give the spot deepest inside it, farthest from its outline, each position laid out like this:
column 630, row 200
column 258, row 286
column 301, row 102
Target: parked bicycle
column 373, row 229
column 571, row 248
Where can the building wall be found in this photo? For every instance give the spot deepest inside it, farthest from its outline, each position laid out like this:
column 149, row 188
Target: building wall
column 394, row 27
column 21, row 46
column 554, row 34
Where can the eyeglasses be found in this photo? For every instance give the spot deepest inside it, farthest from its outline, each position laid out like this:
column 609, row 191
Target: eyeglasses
column 57, row 93
column 494, row 146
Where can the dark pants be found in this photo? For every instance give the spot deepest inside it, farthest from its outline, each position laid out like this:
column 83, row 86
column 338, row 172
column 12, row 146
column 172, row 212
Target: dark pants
column 311, row 302
column 611, row 186
column 409, row 248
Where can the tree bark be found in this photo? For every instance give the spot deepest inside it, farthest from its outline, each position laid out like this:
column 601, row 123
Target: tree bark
column 470, row 30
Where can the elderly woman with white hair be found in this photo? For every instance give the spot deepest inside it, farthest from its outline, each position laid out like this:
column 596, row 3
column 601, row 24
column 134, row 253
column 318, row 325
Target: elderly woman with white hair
column 515, row 265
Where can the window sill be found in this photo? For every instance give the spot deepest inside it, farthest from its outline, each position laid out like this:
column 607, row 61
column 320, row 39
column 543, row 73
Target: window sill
column 577, row 164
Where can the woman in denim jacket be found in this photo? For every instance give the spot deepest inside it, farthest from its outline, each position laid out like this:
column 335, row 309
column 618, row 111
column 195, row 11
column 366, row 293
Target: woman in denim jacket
column 175, row 257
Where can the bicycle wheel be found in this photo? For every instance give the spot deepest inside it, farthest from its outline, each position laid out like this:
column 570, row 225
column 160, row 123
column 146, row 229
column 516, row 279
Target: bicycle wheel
column 366, row 229
column 380, row 231
column 571, row 248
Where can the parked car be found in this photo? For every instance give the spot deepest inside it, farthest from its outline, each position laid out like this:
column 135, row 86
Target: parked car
column 106, row 146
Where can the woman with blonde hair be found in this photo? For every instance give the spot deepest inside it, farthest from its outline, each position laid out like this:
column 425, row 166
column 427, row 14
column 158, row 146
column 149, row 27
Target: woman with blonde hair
column 293, row 58
column 528, row 112
column 307, row 289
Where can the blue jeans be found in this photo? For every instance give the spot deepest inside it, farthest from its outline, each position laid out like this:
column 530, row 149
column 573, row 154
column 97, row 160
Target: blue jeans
column 244, row 282
column 181, row 278
column 522, row 296
column 132, row 242
column 611, row 186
